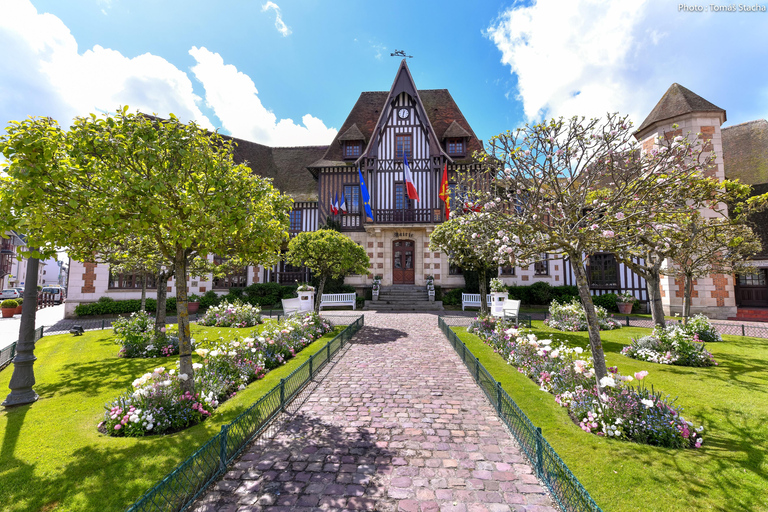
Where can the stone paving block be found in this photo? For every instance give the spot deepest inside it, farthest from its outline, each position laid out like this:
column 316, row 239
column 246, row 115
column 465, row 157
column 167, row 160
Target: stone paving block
column 398, row 423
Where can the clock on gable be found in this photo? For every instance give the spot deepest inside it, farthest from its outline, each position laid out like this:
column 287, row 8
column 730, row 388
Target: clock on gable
column 403, row 113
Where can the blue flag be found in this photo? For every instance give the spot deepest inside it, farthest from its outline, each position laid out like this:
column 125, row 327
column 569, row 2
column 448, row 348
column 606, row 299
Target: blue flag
column 366, row 196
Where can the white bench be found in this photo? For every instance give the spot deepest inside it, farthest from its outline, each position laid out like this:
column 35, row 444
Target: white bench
column 510, row 309
column 472, row 300
column 338, row 299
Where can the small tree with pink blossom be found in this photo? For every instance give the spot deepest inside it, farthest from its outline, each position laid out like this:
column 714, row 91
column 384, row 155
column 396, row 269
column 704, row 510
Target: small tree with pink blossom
column 578, row 187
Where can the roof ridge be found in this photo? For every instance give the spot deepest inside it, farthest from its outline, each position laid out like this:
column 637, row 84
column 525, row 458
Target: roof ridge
column 745, row 122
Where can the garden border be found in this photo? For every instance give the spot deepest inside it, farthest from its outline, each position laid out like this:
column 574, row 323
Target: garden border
column 182, row 486
column 565, row 488
column 9, row 352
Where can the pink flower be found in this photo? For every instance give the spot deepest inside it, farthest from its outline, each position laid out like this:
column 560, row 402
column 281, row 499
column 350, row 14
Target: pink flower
column 118, row 426
column 162, row 329
column 608, row 233
column 620, row 215
column 641, row 375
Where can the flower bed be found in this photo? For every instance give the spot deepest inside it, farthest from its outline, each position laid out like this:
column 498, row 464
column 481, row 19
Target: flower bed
column 571, row 317
column 156, row 404
column 671, row 345
column 136, row 334
column 232, row 315
column 618, row 410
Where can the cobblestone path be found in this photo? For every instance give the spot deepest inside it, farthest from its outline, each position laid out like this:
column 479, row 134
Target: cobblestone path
column 397, row 424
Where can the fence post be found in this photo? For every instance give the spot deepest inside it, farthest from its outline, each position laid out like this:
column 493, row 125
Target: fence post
column 328, row 352
column 102, row 324
column 13, row 351
column 627, row 321
column 223, row 448
column 311, row 358
column 477, row 369
column 464, row 352
column 282, row 394
column 742, row 330
column 539, row 454
column 498, row 398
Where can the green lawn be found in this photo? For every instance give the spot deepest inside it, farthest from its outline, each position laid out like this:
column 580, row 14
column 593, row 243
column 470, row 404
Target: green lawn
column 728, row 473
column 52, row 456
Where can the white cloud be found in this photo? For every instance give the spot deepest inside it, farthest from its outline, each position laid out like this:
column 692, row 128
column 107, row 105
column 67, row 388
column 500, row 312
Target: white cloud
column 279, row 23
column 42, row 74
column 571, row 57
column 234, row 99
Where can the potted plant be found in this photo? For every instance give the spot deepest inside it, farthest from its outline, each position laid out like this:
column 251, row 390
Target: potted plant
column 625, row 301
column 8, row 307
column 193, row 304
column 306, row 293
column 499, row 294
column 18, row 308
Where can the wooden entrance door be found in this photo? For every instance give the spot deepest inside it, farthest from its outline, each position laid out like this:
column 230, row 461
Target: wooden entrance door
column 403, row 255
column 752, row 289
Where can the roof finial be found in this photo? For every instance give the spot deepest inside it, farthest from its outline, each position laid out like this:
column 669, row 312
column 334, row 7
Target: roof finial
column 400, row 53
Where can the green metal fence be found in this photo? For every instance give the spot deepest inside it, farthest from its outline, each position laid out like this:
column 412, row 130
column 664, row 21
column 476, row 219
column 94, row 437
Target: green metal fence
column 566, row 489
column 182, row 486
column 8, row 353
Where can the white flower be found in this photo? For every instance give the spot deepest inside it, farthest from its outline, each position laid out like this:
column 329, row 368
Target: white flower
column 546, row 342
column 607, row 382
column 647, row 403
column 183, row 376
column 578, row 350
column 196, row 366
column 241, row 387
column 555, row 354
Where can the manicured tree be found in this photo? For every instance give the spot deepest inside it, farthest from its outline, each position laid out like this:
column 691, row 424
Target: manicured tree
column 576, row 187
column 328, row 254
column 135, row 175
column 469, row 242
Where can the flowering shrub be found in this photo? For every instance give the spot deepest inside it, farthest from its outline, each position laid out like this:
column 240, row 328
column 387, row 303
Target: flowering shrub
column 671, row 345
column 497, row 285
column 703, row 328
column 616, row 409
column 155, row 404
column 136, row 334
column 231, row 315
column 571, row 317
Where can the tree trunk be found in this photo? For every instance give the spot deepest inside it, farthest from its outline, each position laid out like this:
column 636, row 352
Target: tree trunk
column 598, row 357
column 143, row 291
column 162, row 295
column 687, row 298
column 483, row 292
column 653, row 283
column 185, row 337
column 320, row 287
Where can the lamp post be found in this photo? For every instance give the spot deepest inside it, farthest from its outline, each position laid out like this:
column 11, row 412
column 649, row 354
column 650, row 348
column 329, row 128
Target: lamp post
column 23, row 377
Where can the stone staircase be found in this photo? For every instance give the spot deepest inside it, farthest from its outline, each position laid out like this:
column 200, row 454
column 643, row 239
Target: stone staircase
column 753, row 314
column 403, row 298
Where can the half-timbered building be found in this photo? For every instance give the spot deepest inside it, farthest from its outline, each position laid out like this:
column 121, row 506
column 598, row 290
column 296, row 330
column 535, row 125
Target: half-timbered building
column 426, row 128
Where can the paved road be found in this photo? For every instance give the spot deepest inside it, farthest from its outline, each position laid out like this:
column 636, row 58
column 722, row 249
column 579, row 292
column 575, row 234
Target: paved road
column 397, row 424
column 9, row 327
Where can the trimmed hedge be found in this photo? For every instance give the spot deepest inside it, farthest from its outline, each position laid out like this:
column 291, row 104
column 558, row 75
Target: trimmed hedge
column 541, row 293
column 110, row 306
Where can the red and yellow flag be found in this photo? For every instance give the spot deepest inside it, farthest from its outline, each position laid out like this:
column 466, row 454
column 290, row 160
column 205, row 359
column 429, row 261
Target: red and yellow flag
column 445, row 193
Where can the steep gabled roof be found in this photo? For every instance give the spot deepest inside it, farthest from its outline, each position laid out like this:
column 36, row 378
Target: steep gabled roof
column 677, row 101
column 745, row 152
column 286, row 166
column 353, row 133
column 455, row 131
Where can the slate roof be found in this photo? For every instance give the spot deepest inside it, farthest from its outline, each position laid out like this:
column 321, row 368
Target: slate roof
column 286, row 166
column 678, row 101
column 438, row 104
column 745, row 152
column 353, row 133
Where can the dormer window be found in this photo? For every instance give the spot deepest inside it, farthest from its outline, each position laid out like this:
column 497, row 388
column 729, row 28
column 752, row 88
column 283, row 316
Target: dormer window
column 456, row 146
column 353, row 148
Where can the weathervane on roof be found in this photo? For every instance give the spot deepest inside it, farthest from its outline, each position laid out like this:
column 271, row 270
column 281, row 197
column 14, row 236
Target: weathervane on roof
column 400, row 53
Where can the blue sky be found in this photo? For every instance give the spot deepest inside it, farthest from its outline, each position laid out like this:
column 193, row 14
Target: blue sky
column 288, row 72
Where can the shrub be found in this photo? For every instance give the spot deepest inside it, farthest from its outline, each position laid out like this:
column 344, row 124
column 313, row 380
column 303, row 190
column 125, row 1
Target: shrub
column 19, row 301
column 703, row 328
column 453, row 297
column 232, row 315
column 541, row 293
column 671, row 345
column 606, row 301
column 137, row 337
column 571, row 317
column 110, row 306
column 617, row 410
column 157, row 405
column 209, row 298
column 565, row 293
column 9, row 303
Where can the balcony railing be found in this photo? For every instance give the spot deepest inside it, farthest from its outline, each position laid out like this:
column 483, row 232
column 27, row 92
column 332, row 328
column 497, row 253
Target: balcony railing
column 410, row 216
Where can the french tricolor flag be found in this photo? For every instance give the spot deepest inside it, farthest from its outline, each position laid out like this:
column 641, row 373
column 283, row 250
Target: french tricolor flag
column 409, row 186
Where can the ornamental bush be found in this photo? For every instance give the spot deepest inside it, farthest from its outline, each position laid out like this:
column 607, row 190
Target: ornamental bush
column 619, row 410
column 136, row 335
column 571, row 317
column 232, row 315
column 8, row 304
column 703, row 328
column 670, row 345
column 155, row 404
